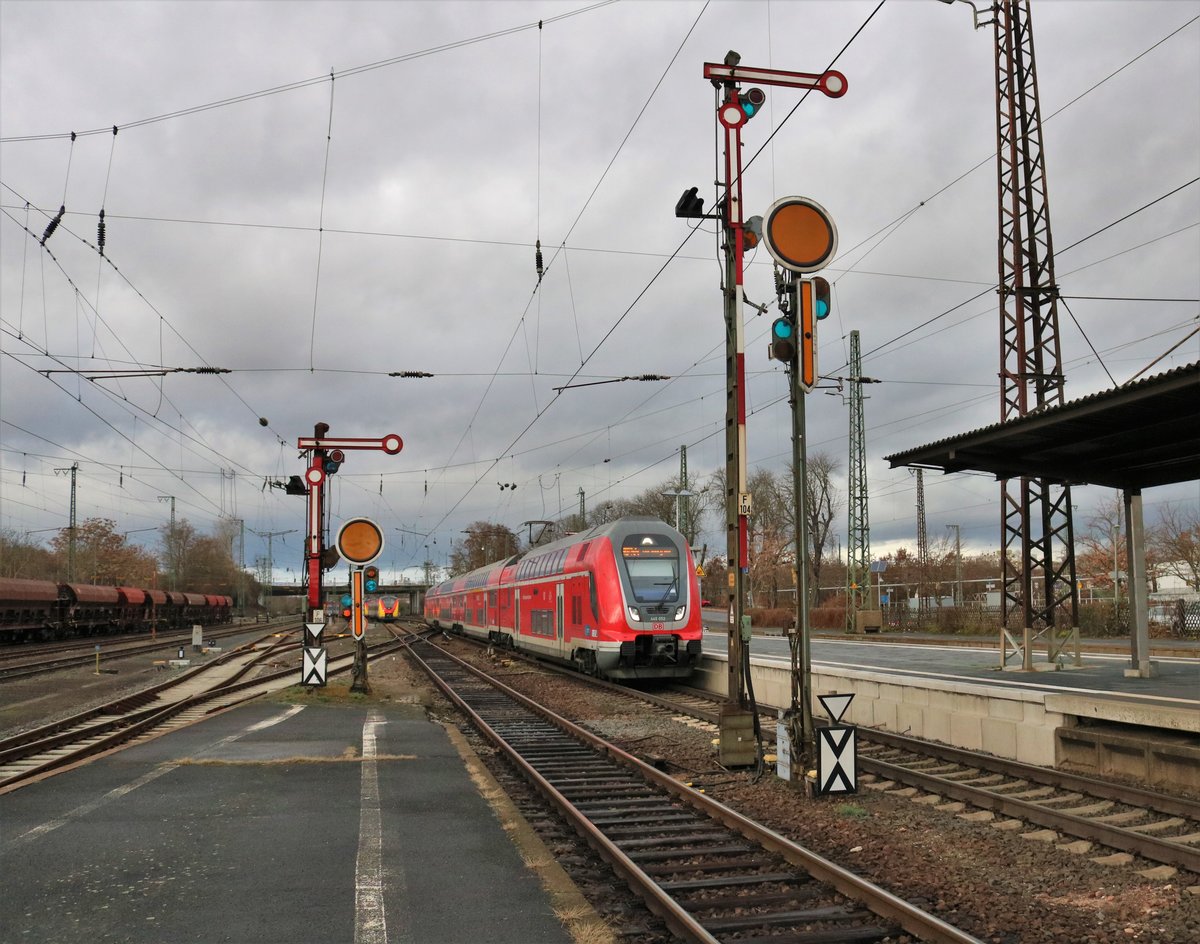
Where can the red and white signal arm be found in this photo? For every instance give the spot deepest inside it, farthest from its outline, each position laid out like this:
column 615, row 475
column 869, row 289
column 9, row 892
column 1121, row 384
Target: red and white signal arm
column 391, row 443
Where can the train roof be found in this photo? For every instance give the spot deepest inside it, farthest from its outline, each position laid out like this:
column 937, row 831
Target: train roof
column 88, row 593
column 13, row 589
column 618, row 529
column 132, row 596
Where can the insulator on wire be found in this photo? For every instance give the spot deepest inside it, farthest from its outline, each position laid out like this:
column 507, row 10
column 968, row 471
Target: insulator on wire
column 100, row 233
column 537, row 259
column 53, row 224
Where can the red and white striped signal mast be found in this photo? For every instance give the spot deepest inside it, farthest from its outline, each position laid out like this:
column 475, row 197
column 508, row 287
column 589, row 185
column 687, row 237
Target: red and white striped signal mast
column 735, row 107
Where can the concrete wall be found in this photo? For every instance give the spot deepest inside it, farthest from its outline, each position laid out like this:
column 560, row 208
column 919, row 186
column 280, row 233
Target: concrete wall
column 1004, row 722
column 1152, row 744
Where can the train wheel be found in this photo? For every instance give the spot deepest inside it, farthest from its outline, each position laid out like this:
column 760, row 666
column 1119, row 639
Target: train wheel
column 586, row 660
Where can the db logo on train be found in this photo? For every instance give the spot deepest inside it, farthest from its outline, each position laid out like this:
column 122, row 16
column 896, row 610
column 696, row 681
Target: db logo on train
column 658, row 627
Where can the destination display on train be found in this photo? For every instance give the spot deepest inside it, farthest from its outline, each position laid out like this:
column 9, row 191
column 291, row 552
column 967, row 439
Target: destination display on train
column 647, row 550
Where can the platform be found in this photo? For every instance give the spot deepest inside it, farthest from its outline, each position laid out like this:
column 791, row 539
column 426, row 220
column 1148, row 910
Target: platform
column 279, row 823
column 1092, row 718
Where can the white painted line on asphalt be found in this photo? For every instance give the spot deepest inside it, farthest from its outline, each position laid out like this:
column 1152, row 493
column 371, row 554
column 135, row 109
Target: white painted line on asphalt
column 370, row 924
column 269, row 722
column 115, row 794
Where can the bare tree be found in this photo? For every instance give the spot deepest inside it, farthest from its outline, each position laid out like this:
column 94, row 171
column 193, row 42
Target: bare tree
column 1176, row 543
column 825, row 505
column 20, row 557
column 485, row 544
column 773, row 522
column 1100, row 546
column 102, row 556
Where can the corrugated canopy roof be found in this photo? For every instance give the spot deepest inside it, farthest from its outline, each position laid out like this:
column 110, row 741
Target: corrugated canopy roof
column 1136, row 436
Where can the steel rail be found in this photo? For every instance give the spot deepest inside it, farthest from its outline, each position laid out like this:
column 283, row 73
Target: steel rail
column 130, row 647
column 1116, row 837
column 1122, row 793
column 130, row 726
column 879, row 901
column 1154, row 848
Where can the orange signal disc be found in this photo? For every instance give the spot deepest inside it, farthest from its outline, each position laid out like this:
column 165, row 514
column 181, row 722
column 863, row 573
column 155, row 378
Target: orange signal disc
column 360, row 540
column 799, row 234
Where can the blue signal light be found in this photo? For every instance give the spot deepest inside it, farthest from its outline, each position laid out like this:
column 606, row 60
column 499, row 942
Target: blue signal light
column 783, row 340
column 821, row 300
column 347, row 600
column 751, row 101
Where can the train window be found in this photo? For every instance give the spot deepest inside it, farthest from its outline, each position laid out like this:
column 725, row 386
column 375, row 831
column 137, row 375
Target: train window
column 652, row 563
column 541, row 623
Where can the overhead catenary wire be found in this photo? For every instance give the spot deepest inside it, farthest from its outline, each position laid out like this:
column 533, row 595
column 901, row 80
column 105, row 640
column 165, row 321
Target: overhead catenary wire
column 316, row 80
column 679, row 256
column 312, row 341
column 907, row 214
column 124, row 278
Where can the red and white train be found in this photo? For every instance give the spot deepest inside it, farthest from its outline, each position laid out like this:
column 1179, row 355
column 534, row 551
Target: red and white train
column 620, row 600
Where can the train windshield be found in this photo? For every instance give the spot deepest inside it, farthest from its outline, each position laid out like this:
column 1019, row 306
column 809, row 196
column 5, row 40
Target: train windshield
column 652, row 564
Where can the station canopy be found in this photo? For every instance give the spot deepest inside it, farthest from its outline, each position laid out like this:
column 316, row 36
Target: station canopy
column 1140, row 435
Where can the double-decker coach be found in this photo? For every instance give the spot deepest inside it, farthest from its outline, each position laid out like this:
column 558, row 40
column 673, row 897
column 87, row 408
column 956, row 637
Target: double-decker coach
column 619, row 600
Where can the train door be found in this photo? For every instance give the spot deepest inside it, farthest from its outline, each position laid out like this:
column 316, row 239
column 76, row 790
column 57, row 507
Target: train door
column 559, row 622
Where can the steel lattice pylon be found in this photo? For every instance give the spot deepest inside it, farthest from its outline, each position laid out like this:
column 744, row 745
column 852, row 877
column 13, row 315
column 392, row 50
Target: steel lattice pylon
column 922, row 555
column 685, row 513
column 858, row 537
column 1036, row 513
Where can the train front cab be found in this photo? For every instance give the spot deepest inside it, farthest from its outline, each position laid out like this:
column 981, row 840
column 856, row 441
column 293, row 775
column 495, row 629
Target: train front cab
column 652, row 627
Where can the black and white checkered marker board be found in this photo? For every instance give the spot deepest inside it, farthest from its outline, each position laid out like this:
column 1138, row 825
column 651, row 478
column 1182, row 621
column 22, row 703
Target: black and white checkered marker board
column 837, row 749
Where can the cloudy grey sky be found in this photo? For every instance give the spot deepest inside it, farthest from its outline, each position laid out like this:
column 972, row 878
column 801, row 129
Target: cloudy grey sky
column 312, row 236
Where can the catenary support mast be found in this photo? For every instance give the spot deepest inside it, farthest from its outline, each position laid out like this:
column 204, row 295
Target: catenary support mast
column 1038, row 557
column 858, row 537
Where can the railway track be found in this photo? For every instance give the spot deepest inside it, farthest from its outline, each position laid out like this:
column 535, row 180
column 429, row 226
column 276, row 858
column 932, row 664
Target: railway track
column 52, row 657
column 1155, row 826
column 709, row 873
column 199, row 693
column 1159, row 828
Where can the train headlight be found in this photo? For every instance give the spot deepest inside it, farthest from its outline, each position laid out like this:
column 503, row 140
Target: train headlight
column 634, row 614
column 679, row 611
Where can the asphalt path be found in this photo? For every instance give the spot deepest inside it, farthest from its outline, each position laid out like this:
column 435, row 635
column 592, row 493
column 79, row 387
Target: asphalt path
column 269, row 823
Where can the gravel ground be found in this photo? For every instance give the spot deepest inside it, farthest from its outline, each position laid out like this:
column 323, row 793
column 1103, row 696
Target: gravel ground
column 996, row 885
